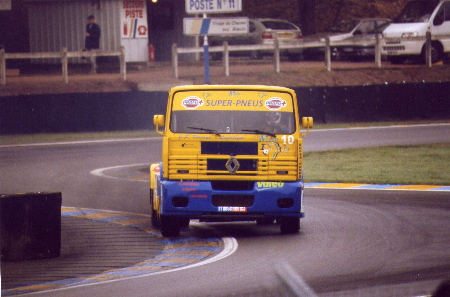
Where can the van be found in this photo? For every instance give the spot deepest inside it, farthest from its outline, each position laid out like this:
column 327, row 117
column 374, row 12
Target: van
column 406, row 36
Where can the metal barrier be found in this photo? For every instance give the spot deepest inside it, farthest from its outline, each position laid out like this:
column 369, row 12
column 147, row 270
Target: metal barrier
column 325, row 43
column 64, row 55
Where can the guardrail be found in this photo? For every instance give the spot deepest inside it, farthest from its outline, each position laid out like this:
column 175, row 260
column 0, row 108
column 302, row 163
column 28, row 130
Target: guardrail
column 64, row 55
column 325, row 43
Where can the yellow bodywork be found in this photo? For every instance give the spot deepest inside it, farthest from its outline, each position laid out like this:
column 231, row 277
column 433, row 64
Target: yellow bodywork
column 278, row 157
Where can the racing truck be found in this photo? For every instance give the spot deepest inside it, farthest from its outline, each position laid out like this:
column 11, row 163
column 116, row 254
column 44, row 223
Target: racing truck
column 229, row 153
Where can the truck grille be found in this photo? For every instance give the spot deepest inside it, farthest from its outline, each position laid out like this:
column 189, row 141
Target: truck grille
column 219, row 164
column 261, row 168
column 216, row 160
column 233, row 200
column 232, row 185
column 229, row 148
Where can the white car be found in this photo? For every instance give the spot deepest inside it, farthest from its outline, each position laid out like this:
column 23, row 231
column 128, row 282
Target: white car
column 264, row 31
column 361, row 31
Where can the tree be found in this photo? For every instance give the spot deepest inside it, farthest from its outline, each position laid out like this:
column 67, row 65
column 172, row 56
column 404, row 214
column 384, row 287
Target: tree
column 307, row 13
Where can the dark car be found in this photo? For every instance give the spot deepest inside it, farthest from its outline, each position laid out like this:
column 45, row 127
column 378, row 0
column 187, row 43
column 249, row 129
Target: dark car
column 264, row 31
column 361, row 32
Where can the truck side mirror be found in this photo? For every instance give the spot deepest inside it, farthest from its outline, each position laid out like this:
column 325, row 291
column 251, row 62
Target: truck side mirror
column 307, row 123
column 158, row 120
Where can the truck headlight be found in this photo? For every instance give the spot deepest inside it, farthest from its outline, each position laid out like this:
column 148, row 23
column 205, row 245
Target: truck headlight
column 409, row 34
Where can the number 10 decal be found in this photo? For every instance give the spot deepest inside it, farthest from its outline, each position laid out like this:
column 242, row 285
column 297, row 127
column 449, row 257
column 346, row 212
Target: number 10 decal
column 288, row 139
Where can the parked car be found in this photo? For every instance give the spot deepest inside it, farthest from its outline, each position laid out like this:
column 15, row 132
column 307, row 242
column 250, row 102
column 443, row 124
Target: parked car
column 362, row 32
column 405, row 38
column 263, row 31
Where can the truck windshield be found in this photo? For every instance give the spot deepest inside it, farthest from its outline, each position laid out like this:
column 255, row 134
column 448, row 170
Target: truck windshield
column 417, row 12
column 237, row 111
column 232, row 121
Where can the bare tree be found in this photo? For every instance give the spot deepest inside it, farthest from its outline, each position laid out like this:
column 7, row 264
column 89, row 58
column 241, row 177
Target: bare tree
column 307, row 9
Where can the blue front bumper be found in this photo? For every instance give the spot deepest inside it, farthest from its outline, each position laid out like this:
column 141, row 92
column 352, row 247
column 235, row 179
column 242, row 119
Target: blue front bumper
column 201, row 199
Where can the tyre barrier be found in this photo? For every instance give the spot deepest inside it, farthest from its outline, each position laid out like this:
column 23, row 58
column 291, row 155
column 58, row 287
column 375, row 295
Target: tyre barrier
column 30, row 225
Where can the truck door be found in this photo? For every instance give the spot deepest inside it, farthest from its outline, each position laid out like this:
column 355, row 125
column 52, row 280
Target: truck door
column 440, row 27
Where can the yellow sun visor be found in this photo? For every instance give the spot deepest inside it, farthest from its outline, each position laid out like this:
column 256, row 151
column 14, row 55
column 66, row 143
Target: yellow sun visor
column 242, row 100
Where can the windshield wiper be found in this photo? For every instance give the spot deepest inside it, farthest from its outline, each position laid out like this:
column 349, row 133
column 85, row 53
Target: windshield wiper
column 206, row 130
column 260, row 132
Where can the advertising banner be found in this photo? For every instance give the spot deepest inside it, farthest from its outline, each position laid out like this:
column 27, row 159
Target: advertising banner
column 134, row 19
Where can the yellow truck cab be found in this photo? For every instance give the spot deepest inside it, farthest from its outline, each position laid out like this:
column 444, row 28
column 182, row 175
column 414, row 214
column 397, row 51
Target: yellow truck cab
column 229, row 153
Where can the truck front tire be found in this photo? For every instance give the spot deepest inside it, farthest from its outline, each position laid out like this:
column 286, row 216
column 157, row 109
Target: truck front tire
column 155, row 217
column 170, row 226
column 289, row 225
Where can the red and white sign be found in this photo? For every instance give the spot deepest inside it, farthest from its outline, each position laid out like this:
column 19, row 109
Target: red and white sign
column 134, row 19
column 275, row 103
column 192, row 102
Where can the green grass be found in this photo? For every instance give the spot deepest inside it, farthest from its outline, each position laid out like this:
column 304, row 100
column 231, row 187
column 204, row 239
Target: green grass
column 407, row 165
column 424, row 164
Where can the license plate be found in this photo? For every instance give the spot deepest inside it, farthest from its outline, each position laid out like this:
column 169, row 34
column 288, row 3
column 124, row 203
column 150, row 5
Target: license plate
column 285, row 35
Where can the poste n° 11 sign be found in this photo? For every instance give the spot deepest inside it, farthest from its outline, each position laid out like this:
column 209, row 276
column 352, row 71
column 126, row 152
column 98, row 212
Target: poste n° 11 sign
column 213, row 6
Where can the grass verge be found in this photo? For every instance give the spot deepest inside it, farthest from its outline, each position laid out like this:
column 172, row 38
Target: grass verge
column 406, row 165
column 424, row 164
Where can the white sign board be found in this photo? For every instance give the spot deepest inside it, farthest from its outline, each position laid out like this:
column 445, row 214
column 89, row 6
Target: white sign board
column 134, row 19
column 215, row 26
column 213, row 6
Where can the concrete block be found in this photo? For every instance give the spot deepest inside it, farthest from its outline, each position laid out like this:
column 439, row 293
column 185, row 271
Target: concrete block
column 30, row 225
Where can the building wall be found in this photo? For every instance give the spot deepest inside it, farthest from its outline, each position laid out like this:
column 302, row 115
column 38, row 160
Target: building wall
column 61, row 23
column 57, row 24
column 166, row 28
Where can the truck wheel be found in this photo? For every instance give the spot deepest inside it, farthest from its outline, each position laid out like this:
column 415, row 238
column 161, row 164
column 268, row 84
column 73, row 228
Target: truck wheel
column 170, row 226
column 289, row 225
column 184, row 222
column 155, row 217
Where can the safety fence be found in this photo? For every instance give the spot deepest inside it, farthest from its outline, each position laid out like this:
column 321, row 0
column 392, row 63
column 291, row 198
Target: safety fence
column 133, row 110
column 64, row 56
column 277, row 47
